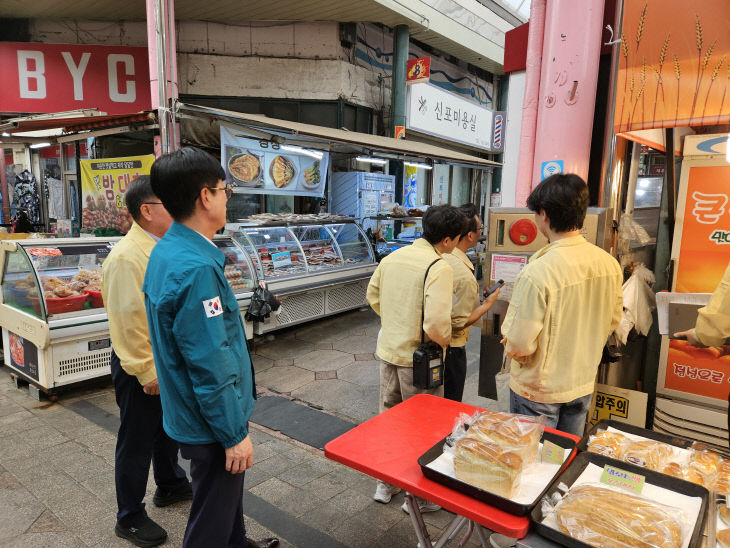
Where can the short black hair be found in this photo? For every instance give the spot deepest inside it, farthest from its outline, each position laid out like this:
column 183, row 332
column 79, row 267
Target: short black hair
column 443, row 221
column 179, row 176
column 564, row 198
column 137, row 193
column 469, row 211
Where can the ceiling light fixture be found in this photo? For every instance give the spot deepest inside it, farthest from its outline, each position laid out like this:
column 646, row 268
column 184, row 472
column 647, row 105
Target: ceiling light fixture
column 40, row 145
column 299, row 150
column 416, row 164
column 369, row 160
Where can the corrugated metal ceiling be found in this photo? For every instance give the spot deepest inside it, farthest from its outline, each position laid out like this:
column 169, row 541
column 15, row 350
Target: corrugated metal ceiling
column 237, row 10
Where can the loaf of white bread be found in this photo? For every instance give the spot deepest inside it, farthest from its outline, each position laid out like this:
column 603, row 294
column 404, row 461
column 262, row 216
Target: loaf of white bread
column 487, row 466
column 509, row 432
column 606, row 518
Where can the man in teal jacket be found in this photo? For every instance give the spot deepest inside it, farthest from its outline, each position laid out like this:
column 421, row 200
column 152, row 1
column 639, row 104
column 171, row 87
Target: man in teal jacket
column 203, row 366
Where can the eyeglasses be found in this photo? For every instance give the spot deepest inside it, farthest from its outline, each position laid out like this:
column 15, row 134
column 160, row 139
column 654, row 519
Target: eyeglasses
column 228, row 190
column 152, row 203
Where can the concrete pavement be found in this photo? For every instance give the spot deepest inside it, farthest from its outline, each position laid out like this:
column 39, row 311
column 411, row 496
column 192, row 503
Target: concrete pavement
column 56, row 459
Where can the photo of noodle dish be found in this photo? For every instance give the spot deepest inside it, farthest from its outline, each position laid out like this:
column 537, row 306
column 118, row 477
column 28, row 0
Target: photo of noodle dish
column 245, row 169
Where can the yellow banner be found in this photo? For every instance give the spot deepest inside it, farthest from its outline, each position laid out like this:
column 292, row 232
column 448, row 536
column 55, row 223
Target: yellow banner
column 103, row 184
column 674, row 65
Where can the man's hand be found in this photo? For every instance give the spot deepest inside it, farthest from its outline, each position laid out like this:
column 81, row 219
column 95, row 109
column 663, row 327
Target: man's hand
column 690, row 337
column 240, row 456
column 152, row 388
column 489, row 301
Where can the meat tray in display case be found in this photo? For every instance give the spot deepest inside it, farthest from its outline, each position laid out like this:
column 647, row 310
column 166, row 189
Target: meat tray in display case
column 54, row 326
column 316, row 269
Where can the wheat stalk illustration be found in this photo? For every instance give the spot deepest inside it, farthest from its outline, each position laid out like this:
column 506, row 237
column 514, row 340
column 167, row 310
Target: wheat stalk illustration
column 678, row 76
column 713, row 76
column 699, row 41
column 625, row 55
column 724, row 92
column 640, row 92
column 640, row 28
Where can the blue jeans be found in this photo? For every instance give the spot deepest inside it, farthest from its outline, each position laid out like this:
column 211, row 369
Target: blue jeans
column 567, row 417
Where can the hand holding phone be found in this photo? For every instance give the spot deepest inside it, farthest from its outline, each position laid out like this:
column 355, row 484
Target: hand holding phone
column 495, row 287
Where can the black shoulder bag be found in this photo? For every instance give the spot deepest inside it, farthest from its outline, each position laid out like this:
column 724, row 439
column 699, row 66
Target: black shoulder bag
column 428, row 358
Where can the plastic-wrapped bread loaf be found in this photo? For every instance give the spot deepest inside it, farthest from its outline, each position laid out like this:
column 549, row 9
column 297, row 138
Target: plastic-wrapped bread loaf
column 723, row 538
column 510, row 432
column 647, row 454
column 673, row 469
column 608, row 444
column 487, row 466
column 606, row 518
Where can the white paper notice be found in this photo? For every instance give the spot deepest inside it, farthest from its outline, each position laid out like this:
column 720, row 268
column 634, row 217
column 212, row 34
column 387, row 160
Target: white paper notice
column 663, row 298
column 507, row 267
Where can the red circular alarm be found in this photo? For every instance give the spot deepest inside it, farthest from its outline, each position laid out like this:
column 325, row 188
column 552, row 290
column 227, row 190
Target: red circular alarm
column 523, row 232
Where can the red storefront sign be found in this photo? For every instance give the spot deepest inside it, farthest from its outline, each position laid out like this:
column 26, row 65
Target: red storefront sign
column 60, row 77
column 69, row 151
column 418, row 70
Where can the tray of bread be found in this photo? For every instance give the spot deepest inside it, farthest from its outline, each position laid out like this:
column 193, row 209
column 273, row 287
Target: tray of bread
column 677, row 457
column 502, row 459
column 600, row 501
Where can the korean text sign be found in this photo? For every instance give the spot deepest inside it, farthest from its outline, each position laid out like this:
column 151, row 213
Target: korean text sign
column 703, row 256
column 103, row 185
column 60, row 77
column 433, row 111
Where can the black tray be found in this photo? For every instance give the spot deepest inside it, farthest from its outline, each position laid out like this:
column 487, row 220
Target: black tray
column 509, row 506
column 581, row 461
column 631, row 429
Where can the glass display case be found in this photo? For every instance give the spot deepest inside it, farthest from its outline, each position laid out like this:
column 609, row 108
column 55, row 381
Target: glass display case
column 320, row 251
column 237, row 269
column 353, row 244
column 274, row 251
column 52, row 279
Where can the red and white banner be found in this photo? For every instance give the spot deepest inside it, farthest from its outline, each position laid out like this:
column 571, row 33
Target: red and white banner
column 60, row 77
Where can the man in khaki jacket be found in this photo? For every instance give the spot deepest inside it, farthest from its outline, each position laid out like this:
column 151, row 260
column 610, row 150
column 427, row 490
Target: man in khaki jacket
column 141, row 438
column 466, row 309
column 398, row 294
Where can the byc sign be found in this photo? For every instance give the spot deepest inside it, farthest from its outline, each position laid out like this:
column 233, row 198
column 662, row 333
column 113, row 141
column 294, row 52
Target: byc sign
column 59, row 77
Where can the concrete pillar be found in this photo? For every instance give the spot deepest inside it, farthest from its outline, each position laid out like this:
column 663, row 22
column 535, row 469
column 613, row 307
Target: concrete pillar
column 401, row 36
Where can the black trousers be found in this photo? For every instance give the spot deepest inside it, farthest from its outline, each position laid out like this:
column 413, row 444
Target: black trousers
column 141, row 439
column 216, row 514
column 454, row 373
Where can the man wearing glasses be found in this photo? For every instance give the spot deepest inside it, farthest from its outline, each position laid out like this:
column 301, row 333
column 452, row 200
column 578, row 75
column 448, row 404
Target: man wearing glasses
column 466, row 309
column 141, row 438
column 204, row 368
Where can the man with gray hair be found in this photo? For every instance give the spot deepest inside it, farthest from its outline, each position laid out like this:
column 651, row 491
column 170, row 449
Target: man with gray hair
column 141, row 438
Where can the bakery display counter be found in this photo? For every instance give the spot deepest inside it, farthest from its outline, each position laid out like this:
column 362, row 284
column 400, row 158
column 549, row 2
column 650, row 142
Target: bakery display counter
column 54, row 326
column 315, row 268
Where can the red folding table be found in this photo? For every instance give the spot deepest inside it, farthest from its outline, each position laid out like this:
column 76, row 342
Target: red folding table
column 388, row 446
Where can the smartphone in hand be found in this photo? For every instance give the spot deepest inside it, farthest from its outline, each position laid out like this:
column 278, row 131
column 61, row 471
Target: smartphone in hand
column 488, row 292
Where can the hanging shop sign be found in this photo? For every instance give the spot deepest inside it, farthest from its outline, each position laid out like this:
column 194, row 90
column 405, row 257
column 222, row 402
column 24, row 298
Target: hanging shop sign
column 61, row 77
column 263, row 167
column 439, row 113
column 673, row 70
column 103, row 185
column 418, row 70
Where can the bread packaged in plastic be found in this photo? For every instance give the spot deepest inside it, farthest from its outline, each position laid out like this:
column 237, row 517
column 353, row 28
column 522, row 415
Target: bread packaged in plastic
column 647, row 454
column 517, row 433
column 705, row 462
column 608, row 444
column 673, row 469
column 487, row 466
column 609, row 518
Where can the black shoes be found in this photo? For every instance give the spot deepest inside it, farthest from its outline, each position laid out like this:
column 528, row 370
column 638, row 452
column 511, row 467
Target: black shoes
column 166, row 497
column 265, row 543
column 146, row 534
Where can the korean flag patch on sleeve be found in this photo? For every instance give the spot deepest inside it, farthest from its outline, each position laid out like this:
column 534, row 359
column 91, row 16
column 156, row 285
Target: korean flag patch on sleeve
column 213, row 307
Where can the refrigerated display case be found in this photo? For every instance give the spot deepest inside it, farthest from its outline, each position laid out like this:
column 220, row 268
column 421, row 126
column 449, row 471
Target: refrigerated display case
column 315, row 269
column 54, row 327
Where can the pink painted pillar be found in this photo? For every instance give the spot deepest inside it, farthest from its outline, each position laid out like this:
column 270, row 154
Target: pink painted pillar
column 530, row 103
column 571, row 53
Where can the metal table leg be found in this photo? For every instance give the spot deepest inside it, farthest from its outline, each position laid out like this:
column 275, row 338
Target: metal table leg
column 484, row 540
column 417, row 520
column 451, row 531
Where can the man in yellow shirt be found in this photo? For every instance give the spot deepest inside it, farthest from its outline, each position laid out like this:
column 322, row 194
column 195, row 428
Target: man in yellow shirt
column 713, row 321
column 398, row 294
column 566, row 302
column 466, row 309
column 141, row 438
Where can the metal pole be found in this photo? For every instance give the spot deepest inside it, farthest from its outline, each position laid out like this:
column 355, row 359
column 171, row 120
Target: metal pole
column 162, row 104
column 4, row 188
column 398, row 91
column 607, row 190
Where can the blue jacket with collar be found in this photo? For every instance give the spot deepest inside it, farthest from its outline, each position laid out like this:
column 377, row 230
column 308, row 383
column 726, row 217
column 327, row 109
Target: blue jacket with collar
column 203, row 366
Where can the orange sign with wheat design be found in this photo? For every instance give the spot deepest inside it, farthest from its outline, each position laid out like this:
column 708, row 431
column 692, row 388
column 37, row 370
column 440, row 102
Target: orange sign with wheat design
column 674, row 66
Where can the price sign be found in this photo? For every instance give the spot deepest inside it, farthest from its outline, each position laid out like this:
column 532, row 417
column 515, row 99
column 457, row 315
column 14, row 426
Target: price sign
column 552, row 453
column 623, row 479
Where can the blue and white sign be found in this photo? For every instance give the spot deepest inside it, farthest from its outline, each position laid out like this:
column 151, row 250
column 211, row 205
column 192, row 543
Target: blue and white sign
column 551, row 168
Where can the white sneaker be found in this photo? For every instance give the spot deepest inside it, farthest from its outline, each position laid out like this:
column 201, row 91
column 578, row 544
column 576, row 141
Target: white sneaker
column 423, row 505
column 385, row 491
